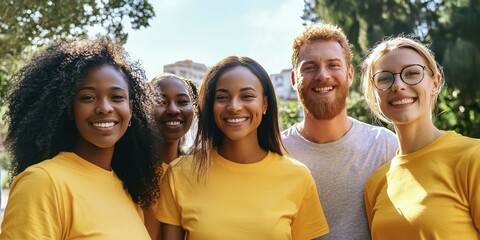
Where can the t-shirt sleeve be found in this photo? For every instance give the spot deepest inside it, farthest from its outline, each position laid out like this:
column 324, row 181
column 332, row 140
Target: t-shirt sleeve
column 167, row 210
column 32, row 211
column 472, row 183
column 310, row 222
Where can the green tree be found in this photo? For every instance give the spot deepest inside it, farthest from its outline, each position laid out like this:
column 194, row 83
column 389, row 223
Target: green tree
column 27, row 24
column 449, row 26
column 289, row 113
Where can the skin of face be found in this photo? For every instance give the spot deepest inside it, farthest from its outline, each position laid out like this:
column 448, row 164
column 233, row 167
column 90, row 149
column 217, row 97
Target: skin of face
column 101, row 108
column 322, row 78
column 174, row 113
column 402, row 103
column 239, row 104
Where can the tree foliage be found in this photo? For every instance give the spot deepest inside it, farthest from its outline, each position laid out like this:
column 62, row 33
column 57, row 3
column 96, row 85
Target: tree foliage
column 27, row 24
column 450, row 27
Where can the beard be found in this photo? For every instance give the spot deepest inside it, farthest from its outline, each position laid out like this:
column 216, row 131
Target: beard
column 324, row 108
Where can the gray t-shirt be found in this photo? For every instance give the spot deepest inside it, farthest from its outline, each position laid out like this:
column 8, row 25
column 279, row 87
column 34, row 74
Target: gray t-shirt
column 340, row 170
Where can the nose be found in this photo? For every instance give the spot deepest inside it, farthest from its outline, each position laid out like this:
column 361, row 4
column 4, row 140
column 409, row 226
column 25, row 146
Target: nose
column 234, row 105
column 322, row 74
column 172, row 108
column 104, row 107
column 398, row 83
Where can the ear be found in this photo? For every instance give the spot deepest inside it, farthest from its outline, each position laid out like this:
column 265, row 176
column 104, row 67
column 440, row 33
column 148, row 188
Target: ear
column 350, row 74
column 292, row 76
column 265, row 105
column 436, row 84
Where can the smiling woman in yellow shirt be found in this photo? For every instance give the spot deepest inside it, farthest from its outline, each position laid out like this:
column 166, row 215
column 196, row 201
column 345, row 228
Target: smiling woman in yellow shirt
column 431, row 188
column 81, row 145
column 237, row 184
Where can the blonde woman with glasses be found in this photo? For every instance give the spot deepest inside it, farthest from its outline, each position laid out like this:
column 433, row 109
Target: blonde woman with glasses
column 430, row 189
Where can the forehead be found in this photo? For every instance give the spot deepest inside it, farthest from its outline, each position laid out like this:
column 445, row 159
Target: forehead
column 106, row 76
column 396, row 59
column 237, row 78
column 172, row 85
column 329, row 49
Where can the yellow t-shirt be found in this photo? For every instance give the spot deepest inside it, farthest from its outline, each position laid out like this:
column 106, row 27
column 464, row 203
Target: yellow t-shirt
column 275, row 198
column 68, row 197
column 433, row 193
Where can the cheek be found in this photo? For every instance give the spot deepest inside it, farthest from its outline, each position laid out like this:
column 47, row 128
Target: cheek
column 188, row 113
column 158, row 113
column 381, row 99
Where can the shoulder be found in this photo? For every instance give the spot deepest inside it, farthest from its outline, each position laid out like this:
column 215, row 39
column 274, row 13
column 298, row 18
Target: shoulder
column 376, row 133
column 377, row 177
column 182, row 165
column 48, row 172
column 467, row 148
column 375, row 130
column 36, row 182
column 36, row 174
column 291, row 163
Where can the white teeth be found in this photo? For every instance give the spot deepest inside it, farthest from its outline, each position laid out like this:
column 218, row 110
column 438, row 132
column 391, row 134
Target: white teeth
column 104, row 125
column 236, row 120
column 403, row 101
column 172, row 123
column 323, row 89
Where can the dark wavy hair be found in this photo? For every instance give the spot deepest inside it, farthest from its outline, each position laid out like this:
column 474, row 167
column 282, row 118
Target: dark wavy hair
column 209, row 135
column 40, row 118
column 192, row 91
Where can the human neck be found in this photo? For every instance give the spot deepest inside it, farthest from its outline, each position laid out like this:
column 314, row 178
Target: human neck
column 413, row 137
column 170, row 151
column 325, row 130
column 242, row 151
column 102, row 157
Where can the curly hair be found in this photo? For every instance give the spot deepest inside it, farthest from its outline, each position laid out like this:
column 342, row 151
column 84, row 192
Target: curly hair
column 41, row 123
column 209, row 135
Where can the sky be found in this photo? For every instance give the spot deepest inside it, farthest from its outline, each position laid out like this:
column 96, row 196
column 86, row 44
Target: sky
column 209, row 30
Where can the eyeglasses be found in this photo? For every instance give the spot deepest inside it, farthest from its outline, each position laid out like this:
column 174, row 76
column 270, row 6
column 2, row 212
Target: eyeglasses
column 410, row 75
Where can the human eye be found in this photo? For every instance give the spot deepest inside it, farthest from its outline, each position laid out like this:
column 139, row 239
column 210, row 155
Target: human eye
column 248, row 96
column 221, row 98
column 160, row 102
column 334, row 65
column 118, row 97
column 183, row 101
column 411, row 72
column 383, row 77
column 309, row 68
column 87, row 98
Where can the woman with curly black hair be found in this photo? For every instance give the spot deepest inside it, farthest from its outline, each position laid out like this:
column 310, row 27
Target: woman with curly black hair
column 81, row 140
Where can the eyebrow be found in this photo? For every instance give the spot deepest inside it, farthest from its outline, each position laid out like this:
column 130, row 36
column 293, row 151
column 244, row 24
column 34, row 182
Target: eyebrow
column 181, row 94
column 93, row 88
column 241, row 89
column 327, row 60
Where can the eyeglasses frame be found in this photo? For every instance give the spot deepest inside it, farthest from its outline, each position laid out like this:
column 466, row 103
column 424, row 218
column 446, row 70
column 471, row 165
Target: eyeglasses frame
column 401, row 71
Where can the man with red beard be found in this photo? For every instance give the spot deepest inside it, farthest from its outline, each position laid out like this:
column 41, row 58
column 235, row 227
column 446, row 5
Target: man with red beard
column 340, row 151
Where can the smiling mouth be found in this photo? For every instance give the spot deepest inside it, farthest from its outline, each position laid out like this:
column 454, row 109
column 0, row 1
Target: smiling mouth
column 402, row 101
column 323, row 89
column 104, row 124
column 173, row 123
column 236, row 120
